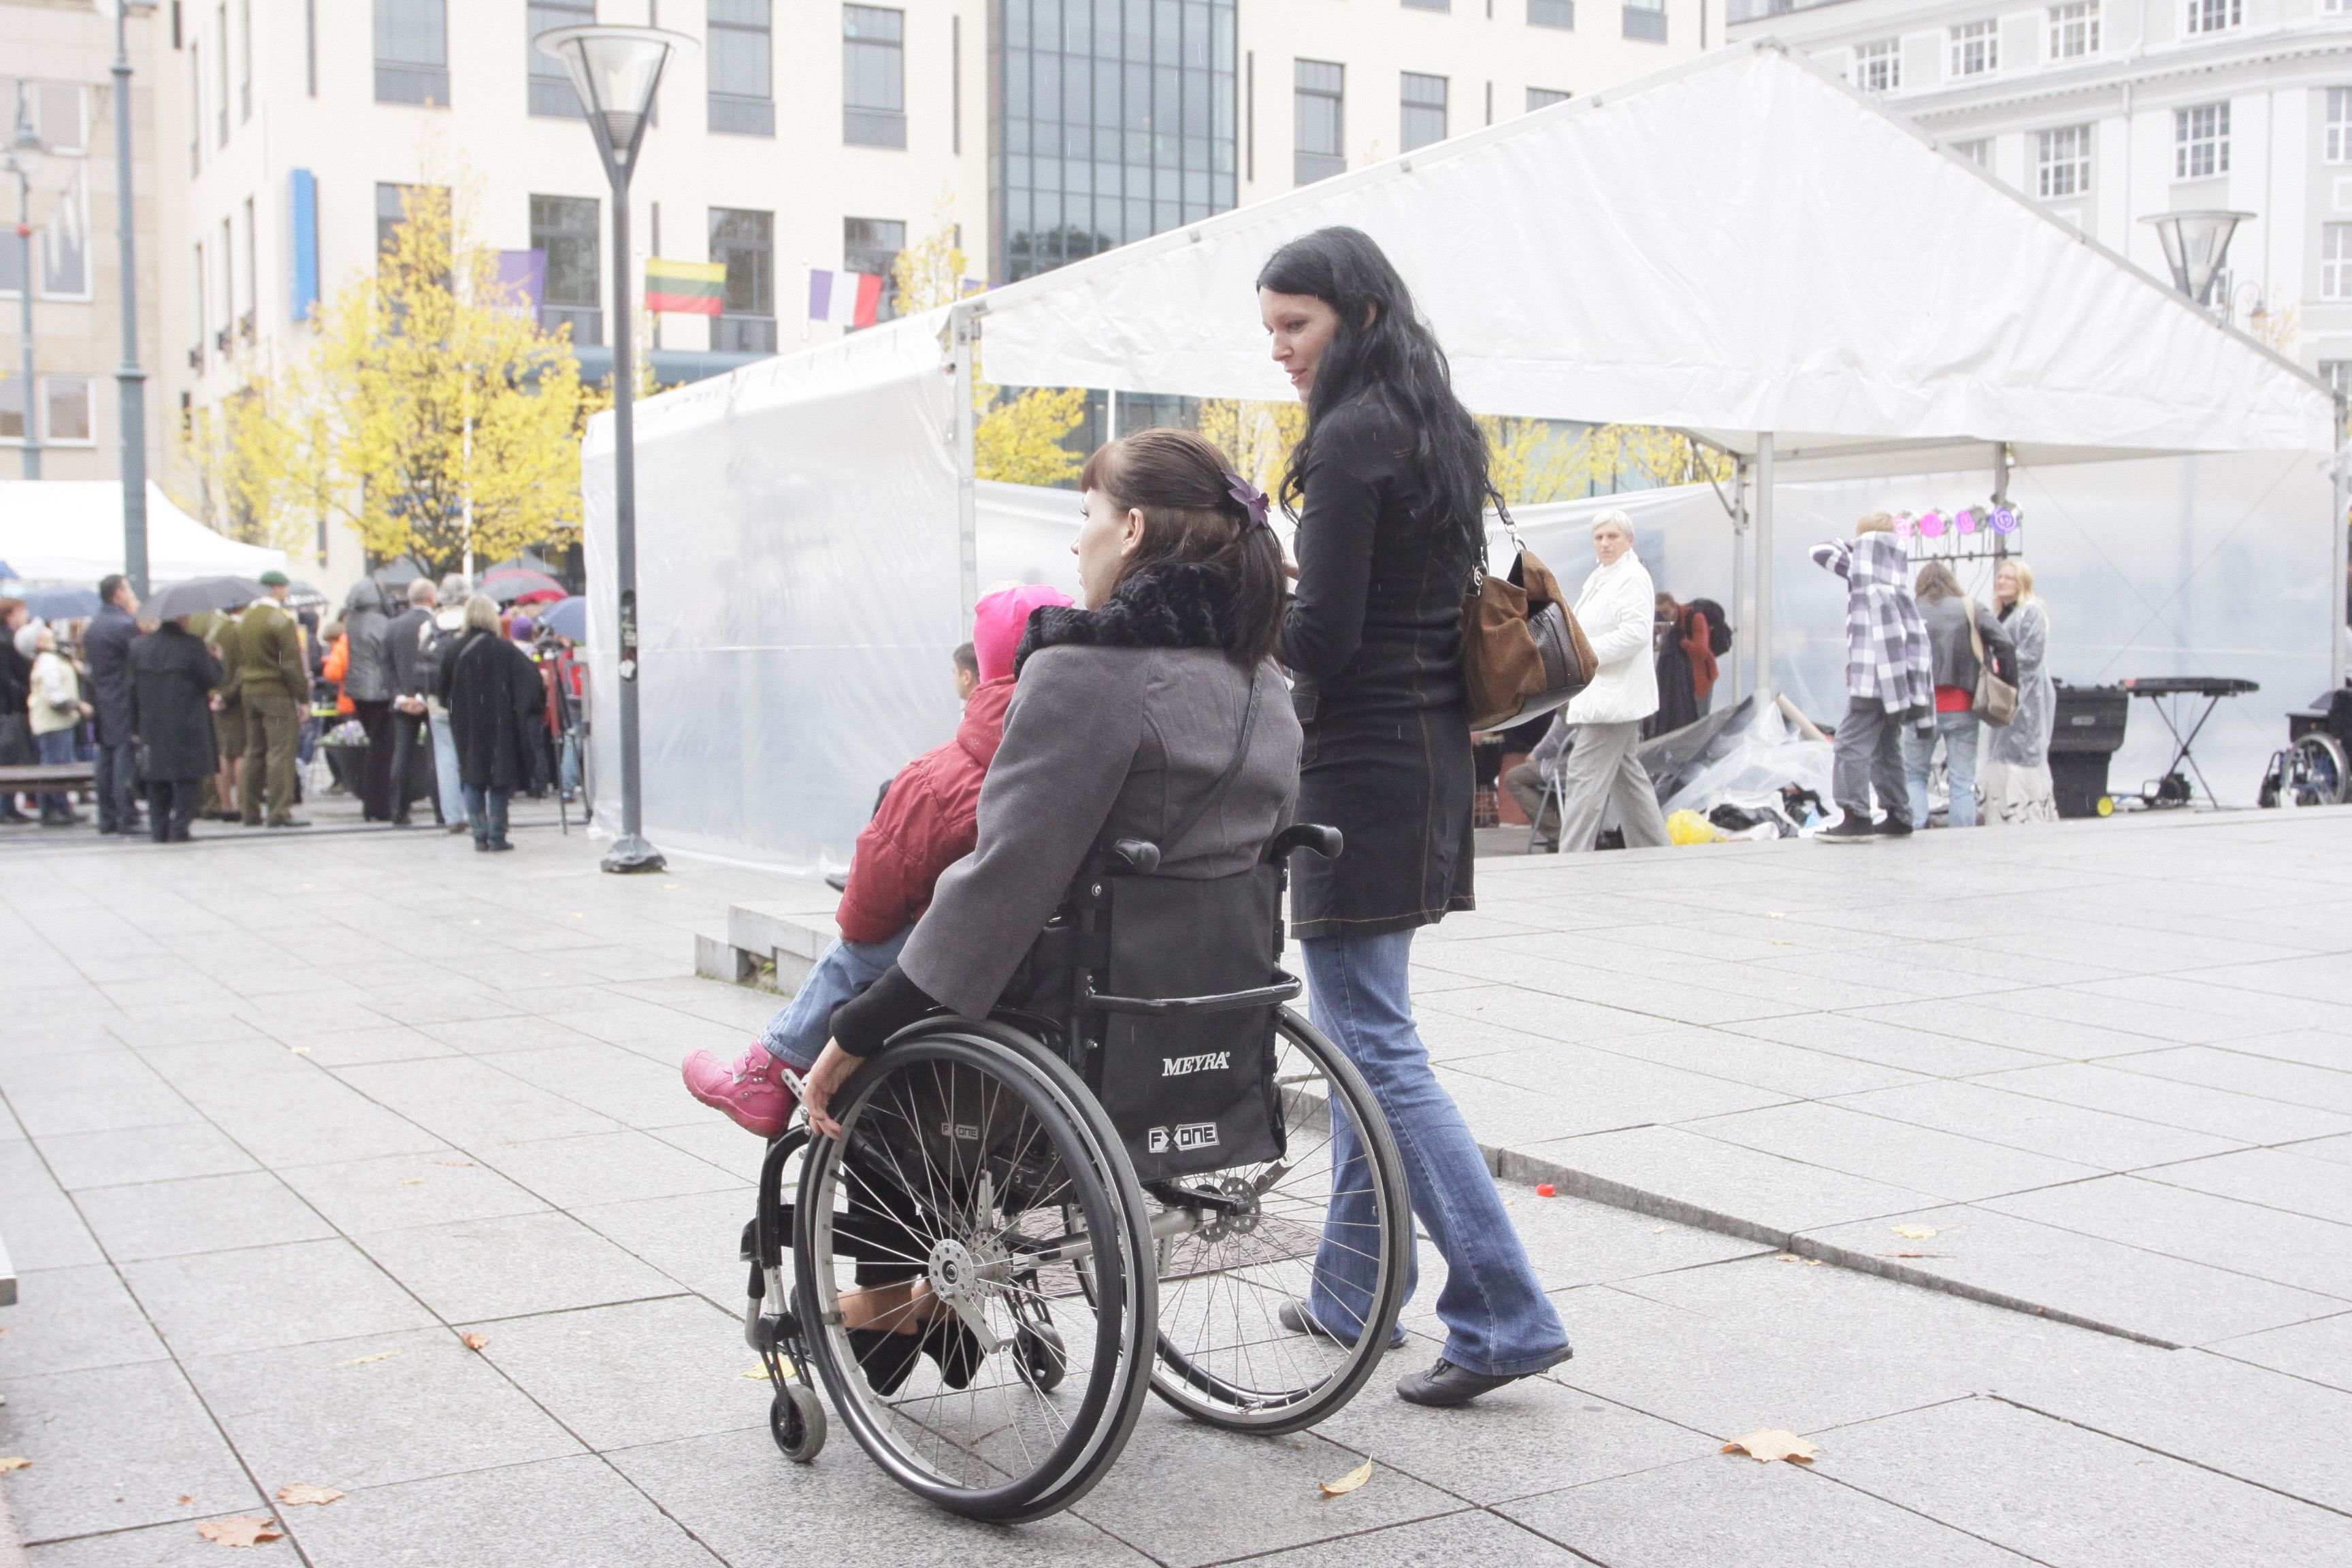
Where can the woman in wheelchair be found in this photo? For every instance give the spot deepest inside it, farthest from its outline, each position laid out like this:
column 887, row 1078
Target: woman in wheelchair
column 1024, row 1183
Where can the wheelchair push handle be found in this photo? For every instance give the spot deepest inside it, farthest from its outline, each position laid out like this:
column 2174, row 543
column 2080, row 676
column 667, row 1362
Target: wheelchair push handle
column 1138, row 855
column 1313, row 836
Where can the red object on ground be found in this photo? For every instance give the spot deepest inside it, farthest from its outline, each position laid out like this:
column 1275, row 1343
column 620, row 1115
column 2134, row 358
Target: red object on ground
column 1544, row 1191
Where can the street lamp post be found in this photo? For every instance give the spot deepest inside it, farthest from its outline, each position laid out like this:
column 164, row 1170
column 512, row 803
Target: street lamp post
column 25, row 142
column 616, row 71
column 2195, row 245
column 130, row 381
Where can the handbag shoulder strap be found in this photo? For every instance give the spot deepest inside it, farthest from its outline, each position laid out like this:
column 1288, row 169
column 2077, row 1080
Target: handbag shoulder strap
column 1976, row 637
column 1233, row 768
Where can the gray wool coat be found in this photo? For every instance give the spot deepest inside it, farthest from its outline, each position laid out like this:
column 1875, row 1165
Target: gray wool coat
column 1102, row 743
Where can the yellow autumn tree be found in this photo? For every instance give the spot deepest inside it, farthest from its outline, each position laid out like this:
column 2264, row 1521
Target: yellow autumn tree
column 432, row 412
column 1256, row 438
column 1016, row 437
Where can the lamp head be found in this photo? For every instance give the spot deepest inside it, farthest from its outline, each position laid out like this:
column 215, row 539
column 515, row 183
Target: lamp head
column 24, row 139
column 616, row 71
column 2195, row 244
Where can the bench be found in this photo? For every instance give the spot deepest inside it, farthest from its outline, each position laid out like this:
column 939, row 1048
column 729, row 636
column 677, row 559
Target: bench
column 34, row 776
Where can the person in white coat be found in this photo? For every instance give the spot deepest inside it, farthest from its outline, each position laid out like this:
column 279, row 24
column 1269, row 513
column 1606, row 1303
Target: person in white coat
column 1601, row 776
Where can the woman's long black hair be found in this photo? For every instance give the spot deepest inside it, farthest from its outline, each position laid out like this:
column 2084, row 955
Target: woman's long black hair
column 1384, row 348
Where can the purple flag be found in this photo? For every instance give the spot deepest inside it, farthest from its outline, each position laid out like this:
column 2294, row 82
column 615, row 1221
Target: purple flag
column 522, row 282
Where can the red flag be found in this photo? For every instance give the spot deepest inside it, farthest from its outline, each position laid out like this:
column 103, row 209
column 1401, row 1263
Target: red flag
column 869, row 298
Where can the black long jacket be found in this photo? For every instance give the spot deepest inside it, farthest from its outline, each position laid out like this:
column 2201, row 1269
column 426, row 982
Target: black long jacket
column 107, row 645
column 498, row 707
column 173, row 674
column 1373, row 641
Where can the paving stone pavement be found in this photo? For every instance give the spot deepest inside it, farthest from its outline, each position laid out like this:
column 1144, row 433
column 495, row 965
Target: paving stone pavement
column 285, row 1118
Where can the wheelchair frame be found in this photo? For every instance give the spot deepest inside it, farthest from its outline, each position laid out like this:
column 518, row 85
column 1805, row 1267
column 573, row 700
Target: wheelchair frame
column 777, row 1323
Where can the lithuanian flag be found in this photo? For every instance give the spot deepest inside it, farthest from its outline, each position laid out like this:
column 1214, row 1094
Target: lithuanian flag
column 684, row 287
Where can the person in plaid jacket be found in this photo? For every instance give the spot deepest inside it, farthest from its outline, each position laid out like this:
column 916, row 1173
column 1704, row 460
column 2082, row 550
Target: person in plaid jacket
column 1889, row 679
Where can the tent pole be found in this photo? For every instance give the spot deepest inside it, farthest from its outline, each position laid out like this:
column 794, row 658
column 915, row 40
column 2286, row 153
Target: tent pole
column 967, row 327
column 1760, row 622
column 2338, row 547
column 1739, row 565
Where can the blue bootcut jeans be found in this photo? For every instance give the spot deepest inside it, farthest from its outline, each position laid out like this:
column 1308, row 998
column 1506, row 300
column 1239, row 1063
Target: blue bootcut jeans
column 1498, row 1320
column 796, row 1036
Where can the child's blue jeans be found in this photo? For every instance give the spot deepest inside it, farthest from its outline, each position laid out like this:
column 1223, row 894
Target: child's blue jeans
column 796, row 1036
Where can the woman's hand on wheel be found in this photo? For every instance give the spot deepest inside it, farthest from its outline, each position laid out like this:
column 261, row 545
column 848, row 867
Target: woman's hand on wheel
column 832, row 1070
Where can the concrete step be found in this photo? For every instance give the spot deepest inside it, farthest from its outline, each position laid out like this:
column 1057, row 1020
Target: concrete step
column 772, row 945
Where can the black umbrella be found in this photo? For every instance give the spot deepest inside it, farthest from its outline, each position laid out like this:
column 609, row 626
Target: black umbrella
column 199, row 594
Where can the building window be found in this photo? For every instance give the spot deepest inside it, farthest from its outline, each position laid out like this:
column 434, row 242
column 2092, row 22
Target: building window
column 2336, row 261
column 196, row 355
column 65, row 412
column 244, row 61
column 1976, row 47
column 552, row 96
column 12, row 409
column 2062, row 162
column 873, row 77
column 1979, row 152
column 1551, row 13
column 1320, row 99
column 411, row 51
column 226, row 333
column 2337, row 372
column 248, row 324
column 1646, row 20
column 1117, row 122
column 1421, row 110
column 871, row 245
column 2214, row 15
column 220, row 110
column 1878, row 68
column 195, row 109
column 2201, row 142
column 62, row 244
column 2075, row 30
column 565, row 227
column 2339, row 124
column 745, row 244
column 1429, row 4
column 1545, row 97
column 741, row 71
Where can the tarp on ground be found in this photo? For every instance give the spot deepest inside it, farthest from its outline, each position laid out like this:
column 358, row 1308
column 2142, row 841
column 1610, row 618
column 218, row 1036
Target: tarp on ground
column 70, row 530
column 1739, row 244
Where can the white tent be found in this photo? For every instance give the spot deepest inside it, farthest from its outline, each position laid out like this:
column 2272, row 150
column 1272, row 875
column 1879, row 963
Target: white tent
column 70, row 530
column 1740, row 247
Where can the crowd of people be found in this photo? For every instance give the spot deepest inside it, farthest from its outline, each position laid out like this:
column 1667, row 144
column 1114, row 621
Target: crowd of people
column 220, row 714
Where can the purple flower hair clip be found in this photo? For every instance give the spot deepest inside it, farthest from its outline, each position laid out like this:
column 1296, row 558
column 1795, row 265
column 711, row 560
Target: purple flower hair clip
column 1252, row 499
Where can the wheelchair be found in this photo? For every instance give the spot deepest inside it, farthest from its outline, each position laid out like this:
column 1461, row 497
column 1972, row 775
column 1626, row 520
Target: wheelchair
column 1111, row 1186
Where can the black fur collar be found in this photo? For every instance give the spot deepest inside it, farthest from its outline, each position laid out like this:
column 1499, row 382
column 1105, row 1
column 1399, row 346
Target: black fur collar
column 1167, row 605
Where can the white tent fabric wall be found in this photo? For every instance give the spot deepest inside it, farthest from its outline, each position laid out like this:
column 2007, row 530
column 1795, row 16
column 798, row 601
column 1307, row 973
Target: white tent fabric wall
column 800, row 585
column 2212, row 565
column 70, row 530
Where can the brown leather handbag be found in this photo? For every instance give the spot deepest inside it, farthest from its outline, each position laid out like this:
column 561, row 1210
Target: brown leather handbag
column 1523, row 654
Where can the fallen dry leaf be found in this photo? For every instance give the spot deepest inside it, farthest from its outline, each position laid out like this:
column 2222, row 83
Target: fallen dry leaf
column 467, row 1164
column 239, row 1530
column 299, row 1050
column 1349, row 1482
column 759, row 1371
column 185, row 1499
column 1660, row 1231
column 1786, row 1258
column 1773, row 1443
column 1915, row 1232
column 363, row 1359
column 475, row 1341
column 15, row 1462
column 303, row 1491
column 412, row 1181
column 1914, row 1254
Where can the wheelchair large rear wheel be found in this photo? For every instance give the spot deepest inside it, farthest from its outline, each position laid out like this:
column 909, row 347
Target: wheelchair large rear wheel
column 976, row 1170
column 1330, row 1223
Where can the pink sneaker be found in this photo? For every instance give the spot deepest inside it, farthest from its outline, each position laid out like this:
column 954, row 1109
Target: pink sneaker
column 751, row 1091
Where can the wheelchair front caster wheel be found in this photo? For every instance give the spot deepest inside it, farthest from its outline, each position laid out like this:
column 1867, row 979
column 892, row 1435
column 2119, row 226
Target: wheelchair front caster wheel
column 1042, row 1356
column 796, row 1420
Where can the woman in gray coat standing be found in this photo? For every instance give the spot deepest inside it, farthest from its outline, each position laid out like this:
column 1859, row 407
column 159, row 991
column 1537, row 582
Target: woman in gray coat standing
column 2017, row 767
